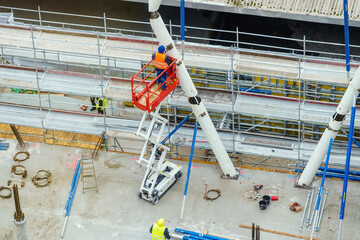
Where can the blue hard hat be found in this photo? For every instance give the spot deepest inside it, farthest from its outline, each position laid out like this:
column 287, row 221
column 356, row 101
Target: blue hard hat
column 161, row 49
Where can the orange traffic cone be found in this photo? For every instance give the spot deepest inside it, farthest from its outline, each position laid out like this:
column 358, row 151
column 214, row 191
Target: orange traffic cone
column 83, row 107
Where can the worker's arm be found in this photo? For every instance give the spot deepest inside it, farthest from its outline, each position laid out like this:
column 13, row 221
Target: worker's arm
column 153, row 56
column 167, row 60
column 167, row 234
column 151, row 228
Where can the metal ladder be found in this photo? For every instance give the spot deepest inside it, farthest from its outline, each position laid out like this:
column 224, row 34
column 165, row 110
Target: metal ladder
column 88, row 176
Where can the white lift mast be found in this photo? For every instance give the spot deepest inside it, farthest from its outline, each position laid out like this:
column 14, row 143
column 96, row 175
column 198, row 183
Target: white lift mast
column 160, row 174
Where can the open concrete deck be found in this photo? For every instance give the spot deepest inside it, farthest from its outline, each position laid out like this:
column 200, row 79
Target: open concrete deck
column 115, row 212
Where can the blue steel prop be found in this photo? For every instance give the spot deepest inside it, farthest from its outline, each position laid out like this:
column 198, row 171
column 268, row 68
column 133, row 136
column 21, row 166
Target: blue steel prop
column 73, row 192
column 189, row 169
column 182, row 20
column 190, row 159
column 347, row 165
column 356, row 142
column 336, row 170
column 346, row 33
column 71, row 196
column 182, row 23
column 195, row 235
column 333, row 175
column 72, row 184
column 175, row 129
column 329, row 175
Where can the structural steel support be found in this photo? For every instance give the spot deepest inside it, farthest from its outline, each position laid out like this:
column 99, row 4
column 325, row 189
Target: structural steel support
column 331, row 130
column 19, row 218
column 190, row 91
column 17, row 135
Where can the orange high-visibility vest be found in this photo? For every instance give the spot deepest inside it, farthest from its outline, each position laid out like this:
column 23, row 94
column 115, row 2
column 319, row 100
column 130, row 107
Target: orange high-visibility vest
column 159, row 61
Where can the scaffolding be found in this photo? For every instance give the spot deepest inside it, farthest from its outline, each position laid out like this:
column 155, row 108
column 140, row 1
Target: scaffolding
column 270, row 108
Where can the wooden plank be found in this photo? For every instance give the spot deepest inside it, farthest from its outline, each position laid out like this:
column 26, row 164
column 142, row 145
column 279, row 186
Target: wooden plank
column 279, row 233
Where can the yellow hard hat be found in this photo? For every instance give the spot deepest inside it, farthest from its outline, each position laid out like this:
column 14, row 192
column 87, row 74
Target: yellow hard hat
column 161, row 222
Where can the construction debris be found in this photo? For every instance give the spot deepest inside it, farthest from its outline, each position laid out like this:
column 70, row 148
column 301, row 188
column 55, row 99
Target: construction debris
column 113, row 163
column 3, row 193
column 19, row 170
column 254, row 194
column 218, row 194
column 42, row 178
column 296, row 207
column 23, row 158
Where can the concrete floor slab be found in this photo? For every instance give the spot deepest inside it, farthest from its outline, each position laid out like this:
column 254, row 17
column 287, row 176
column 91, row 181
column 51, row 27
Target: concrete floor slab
column 115, row 212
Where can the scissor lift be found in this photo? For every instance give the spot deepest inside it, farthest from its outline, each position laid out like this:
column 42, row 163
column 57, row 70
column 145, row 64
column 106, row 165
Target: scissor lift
column 160, row 176
column 146, row 92
column 147, row 95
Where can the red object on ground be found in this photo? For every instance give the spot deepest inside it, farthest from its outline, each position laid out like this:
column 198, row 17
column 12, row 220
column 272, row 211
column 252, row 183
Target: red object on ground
column 146, row 95
column 274, row 198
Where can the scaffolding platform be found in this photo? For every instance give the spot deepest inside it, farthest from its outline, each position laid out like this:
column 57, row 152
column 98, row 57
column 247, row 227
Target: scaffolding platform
column 99, row 53
column 245, row 143
column 139, row 49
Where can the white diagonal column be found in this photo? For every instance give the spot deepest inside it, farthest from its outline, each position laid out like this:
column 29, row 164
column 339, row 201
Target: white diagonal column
column 190, row 91
column 331, row 131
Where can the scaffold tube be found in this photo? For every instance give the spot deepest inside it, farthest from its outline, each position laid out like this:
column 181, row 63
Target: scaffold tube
column 320, row 193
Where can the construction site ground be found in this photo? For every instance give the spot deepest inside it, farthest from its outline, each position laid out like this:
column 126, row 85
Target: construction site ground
column 115, row 212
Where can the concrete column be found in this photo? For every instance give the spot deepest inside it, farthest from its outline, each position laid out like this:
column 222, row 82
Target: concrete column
column 190, row 91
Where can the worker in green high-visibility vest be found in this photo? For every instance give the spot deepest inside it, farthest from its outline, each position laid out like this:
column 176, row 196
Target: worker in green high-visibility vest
column 101, row 105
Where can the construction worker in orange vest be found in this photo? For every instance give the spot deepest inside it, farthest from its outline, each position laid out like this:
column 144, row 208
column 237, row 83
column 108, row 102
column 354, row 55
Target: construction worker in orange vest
column 161, row 61
column 159, row 231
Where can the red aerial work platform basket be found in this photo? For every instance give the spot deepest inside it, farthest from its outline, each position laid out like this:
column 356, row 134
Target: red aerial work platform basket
column 146, row 92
